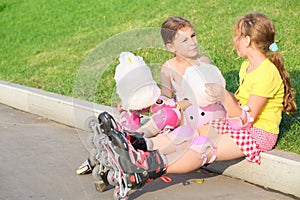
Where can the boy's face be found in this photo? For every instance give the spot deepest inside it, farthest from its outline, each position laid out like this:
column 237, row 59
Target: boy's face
column 185, row 43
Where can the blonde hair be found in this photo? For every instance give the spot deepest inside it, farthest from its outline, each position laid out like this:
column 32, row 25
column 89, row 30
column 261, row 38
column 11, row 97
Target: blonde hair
column 261, row 31
column 170, row 27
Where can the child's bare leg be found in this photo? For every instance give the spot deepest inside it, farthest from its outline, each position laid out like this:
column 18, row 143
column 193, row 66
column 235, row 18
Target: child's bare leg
column 199, row 154
column 187, row 162
column 176, row 141
column 227, row 149
column 149, row 129
column 160, row 141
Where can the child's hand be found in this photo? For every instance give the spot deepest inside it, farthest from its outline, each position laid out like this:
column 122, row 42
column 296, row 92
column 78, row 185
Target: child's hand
column 119, row 107
column 215, row 92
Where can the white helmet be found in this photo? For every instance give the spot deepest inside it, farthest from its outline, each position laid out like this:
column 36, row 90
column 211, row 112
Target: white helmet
column 135, row 85
column 194, row 80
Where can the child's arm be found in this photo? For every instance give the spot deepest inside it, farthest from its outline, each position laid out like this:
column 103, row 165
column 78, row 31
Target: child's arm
column 184, row 104
column 165, row 82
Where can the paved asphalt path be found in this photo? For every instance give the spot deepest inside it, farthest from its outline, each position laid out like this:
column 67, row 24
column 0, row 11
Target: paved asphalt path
column 38, row 158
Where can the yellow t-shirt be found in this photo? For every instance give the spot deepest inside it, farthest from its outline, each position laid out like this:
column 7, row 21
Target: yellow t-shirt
column 264, row 81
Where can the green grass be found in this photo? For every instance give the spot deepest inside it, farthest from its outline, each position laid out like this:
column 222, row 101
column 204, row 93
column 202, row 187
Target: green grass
column 71, row 47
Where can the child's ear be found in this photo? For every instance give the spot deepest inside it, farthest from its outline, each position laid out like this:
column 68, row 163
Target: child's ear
column 170, row 47
column 248, row 41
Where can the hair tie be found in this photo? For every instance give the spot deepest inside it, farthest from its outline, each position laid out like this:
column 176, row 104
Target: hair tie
column 273, row 47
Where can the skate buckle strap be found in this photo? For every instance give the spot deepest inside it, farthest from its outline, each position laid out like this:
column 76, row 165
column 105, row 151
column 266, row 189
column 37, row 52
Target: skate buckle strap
column 140, row 160
column 204, row 146
column 204, row 158
column 214, row 156
column 166, row 179
column 212, row 159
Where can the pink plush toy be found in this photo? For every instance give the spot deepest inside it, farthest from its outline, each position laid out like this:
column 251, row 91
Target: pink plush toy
column 197, row 116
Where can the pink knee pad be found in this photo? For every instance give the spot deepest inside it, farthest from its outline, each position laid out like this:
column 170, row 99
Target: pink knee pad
column 183, row 131
column 180, row 139
column 203, row 146
column 166, row 118
column 130, row 121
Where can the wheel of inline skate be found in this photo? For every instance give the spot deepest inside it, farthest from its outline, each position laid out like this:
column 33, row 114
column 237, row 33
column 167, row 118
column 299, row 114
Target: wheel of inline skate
column 90, row 139
column 105, row 160
column 89, row 122
column 100, row 185
column 95, row 172
column 117, row 195
column 107, row 122
column 93, row 159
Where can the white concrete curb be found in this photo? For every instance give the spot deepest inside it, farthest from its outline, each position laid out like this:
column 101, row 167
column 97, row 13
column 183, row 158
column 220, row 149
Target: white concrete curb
column 70, row 111
column 278, row 170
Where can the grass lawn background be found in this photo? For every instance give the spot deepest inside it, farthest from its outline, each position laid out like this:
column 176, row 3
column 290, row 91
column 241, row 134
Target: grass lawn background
column 47, row 44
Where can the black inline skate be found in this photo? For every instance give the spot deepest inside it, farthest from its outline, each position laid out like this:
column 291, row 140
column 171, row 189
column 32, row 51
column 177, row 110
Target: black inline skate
column 100, row 140
column 102, row 163
column 107, row 123
column 100, row 127
column 131, row 168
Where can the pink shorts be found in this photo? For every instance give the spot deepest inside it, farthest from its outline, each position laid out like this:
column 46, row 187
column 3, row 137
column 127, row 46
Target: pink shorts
column 251, row 141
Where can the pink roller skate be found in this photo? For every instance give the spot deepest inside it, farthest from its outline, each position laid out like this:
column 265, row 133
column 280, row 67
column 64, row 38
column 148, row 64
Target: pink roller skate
column 131, row 168
column 104, row 170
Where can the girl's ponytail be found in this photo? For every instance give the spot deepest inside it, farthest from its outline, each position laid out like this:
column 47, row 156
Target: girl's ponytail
column 289, row 104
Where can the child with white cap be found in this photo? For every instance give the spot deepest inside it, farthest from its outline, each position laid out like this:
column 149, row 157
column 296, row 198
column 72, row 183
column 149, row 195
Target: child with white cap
column 139, row 93
column 143, row 159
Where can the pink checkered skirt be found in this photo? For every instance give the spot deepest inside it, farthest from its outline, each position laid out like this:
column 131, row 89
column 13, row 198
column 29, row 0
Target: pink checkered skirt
column 252, row 141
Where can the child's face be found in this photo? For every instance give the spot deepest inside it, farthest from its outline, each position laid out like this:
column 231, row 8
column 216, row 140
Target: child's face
column 185, row 43
column 240, row 43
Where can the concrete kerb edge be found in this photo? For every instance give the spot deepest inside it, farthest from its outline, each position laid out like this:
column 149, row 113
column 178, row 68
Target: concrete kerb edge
column 278, row 170
column 66, row 110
